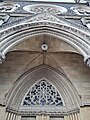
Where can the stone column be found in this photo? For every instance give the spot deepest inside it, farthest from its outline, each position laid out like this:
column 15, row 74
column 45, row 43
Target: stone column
column 9, row 116
column 18, row 117
column 38, row 117
column 78, row 116
column 87, row 60
column 70, row 117
column 6, row 114
column 46, row 117
column 14, row 117
column 2, row 58
column 73, row 116
column 42, row 117
column 66, row 117
column 2, row 112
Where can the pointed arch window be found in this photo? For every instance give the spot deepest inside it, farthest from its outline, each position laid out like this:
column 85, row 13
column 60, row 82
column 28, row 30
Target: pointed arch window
column 43, row 94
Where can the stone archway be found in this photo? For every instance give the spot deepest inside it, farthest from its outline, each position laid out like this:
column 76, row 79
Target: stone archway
column 27, row 80
column 47, row 24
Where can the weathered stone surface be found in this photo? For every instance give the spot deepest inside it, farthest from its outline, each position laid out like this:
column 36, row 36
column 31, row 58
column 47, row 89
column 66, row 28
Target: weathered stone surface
column 25, row 54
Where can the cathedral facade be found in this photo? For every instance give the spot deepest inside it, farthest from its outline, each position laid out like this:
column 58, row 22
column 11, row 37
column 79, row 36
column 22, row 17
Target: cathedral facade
column 45, row 60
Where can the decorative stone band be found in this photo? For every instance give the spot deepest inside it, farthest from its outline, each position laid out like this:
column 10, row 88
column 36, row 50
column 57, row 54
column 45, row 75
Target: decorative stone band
column 30, row 78
column 3, row 19
column 2, row 58
column 74, row 116
column 8, row 7
column 34, row 113
column 13, row 116
column 87, row 60
column 45, row 23
column 85, row 23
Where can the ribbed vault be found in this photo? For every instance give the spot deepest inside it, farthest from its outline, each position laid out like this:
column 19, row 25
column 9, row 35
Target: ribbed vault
column 46, row 24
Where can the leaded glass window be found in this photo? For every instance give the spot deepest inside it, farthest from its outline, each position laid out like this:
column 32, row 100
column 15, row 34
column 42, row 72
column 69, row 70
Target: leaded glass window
column 43, row 94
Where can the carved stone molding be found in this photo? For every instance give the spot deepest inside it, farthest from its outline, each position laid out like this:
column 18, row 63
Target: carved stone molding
column 85, row 23
column 58, row 79
column 8, row 7
column 27, row 113
column 45, row 23
column 87, row 60
column 40, row 25
column 3, row 19
column 55, row 29
column 2, row 58
column 45, row 16
column 81, row 10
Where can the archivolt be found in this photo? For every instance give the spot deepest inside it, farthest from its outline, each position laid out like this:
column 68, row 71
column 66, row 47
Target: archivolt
column 76, row 37
column 57, row 78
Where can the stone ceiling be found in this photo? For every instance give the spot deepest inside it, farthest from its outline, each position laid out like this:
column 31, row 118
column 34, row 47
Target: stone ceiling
column 34, row 44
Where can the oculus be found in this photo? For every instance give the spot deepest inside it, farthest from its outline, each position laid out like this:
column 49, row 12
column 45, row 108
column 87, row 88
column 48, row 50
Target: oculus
column 44, row 47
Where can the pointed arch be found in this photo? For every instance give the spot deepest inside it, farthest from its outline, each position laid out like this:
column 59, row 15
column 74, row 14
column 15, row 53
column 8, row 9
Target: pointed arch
column 53, row 76
column 45, row 23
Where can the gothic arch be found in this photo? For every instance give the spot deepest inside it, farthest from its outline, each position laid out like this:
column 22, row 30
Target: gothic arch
column 45, row 23
column 57, row 78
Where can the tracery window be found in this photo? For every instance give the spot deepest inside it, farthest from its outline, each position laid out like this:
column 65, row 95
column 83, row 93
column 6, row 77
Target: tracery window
column 43, row 94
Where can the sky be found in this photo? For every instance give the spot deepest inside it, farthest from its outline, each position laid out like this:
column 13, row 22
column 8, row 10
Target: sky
column 56, row 0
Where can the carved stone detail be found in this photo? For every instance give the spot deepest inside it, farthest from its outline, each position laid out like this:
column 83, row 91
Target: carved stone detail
column 81, row 10
column 87, row 60
column 38, row 8
column 66, row 35
column 55, row 112
column 46, row 23
column 45, row 16
column 85, row 23
column 2, row 58
column 8, row 7
column 3, row 19
column 56, row 78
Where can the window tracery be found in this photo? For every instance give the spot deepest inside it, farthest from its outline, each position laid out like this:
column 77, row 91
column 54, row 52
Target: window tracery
column 43, row 94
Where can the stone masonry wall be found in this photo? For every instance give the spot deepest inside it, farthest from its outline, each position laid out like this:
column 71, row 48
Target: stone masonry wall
column 72, row 64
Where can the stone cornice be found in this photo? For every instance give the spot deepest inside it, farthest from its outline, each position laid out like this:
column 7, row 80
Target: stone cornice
column 33, row 113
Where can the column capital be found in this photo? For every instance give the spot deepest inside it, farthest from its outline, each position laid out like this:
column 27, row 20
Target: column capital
column 2, row 58
column 87, row 60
